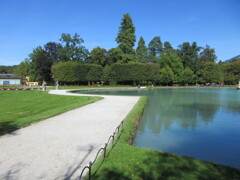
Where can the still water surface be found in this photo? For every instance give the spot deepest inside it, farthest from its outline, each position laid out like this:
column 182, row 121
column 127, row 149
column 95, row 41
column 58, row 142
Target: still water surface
column 201, row 123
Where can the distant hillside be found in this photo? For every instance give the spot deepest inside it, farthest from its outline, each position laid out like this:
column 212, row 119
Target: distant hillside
column 7, row 69
column 229, row 60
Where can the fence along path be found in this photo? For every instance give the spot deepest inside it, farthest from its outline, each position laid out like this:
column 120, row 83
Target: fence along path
column 59, row 147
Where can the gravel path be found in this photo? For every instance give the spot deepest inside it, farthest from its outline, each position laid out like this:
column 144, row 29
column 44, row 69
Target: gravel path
column 59, row 147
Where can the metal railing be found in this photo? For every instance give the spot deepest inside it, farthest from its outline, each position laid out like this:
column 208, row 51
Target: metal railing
column 115, row 136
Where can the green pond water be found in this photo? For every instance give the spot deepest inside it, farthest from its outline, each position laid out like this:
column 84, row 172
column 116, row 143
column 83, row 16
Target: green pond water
column 201, row 123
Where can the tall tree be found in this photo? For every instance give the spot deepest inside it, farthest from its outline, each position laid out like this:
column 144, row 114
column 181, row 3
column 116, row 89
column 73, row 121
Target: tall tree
column 115, row 55
column 126, row 38
column 141, row 51
column 155, row 47
column 167, row 47
column 210, row 73
column 188, row 76
column 189, row 55
column 23, row 69
column 208, row 54
column 72, row 49
column 166, row 75
column 99, row 56
column 231, row 71
column 40, row 66
column 52, row 49
column 172, row 61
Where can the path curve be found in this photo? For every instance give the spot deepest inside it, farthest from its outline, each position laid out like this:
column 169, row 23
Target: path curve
column 59, row 147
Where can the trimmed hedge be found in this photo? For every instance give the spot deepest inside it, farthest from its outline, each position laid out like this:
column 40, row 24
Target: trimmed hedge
column 131, row 73
column 134, row 73
column 73, row 72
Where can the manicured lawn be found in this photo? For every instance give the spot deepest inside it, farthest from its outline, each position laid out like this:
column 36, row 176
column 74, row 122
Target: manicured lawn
column 127, row 162
column 21, row 108
column 89, row 87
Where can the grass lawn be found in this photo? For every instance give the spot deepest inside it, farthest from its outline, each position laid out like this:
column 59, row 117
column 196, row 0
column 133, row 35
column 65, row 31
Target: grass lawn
column 127, row 162
column 90, row 87
column 21, row 108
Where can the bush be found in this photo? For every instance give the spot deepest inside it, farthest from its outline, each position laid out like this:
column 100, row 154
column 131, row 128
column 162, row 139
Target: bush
column 73, row 72
column 134, row 73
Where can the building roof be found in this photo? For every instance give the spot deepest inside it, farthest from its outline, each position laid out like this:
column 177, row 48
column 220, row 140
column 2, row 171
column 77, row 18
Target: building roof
column 9, row 76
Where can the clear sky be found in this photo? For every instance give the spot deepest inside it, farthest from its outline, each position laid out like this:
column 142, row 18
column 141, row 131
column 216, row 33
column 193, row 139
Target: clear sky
column 26, row 24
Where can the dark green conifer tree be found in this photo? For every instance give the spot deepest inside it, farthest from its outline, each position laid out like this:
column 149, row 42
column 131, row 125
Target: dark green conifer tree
column 141, row 51
column 126, row 38
column 155, row 47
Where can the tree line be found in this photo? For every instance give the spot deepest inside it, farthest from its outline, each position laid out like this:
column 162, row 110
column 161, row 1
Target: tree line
column 68, row 61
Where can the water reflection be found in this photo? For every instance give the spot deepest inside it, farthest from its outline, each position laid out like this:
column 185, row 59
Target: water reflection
column 202, row 123
column 182, row 106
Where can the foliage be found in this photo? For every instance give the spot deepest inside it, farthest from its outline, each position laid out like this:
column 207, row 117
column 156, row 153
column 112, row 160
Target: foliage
column 94, row 72
column 231, row 71
column 166, row 75
column 154, row 48
column 106, row 75
column 72, row 49
column 134, row 73
column 141, row 51
column 207, row 54
column 188, row 76
column 210, row 73
column 126, row 38
column 74, row 72
column 172, row 61
column 65, row 72
column 7, row 69
column 189, row 55
column 40, row 66
column 21, row 108
column 23, row 69
column 115, row 55
column 167, row 47
column 52, row 51
column 99, row 56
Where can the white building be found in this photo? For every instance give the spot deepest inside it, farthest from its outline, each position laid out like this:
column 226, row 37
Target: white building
column 9, row 79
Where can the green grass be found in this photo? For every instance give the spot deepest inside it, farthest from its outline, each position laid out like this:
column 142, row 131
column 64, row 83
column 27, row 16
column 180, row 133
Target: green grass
column 89, row 87
column 21, row 108
column 128, row 162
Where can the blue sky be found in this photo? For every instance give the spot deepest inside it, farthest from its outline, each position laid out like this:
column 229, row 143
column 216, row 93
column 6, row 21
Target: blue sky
column 27, row 24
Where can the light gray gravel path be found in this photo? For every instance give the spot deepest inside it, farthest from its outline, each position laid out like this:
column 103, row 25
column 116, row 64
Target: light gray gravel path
column 59, row 147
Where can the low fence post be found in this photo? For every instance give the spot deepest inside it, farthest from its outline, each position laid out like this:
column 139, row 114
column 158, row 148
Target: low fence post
column 105, row 149
column 113, row 139
column 90, row 169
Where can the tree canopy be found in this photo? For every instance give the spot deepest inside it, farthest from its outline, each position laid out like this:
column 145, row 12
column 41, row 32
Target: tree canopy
column 70, row 62
column 126, row 38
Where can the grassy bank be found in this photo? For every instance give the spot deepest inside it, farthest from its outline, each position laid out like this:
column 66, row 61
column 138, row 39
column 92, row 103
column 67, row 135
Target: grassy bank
column 128, row 162
column 21, row 108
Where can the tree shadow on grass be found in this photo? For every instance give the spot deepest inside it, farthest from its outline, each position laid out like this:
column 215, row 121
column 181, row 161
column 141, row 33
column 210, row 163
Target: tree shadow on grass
column 8, row 127
column 158, row 165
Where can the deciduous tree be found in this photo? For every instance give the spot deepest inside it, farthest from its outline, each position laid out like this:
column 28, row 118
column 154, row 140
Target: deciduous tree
column 72, row 49
column 188, row 76
column 23, row 69
column 99, row 56
column 166, row 75
column 208, row 54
